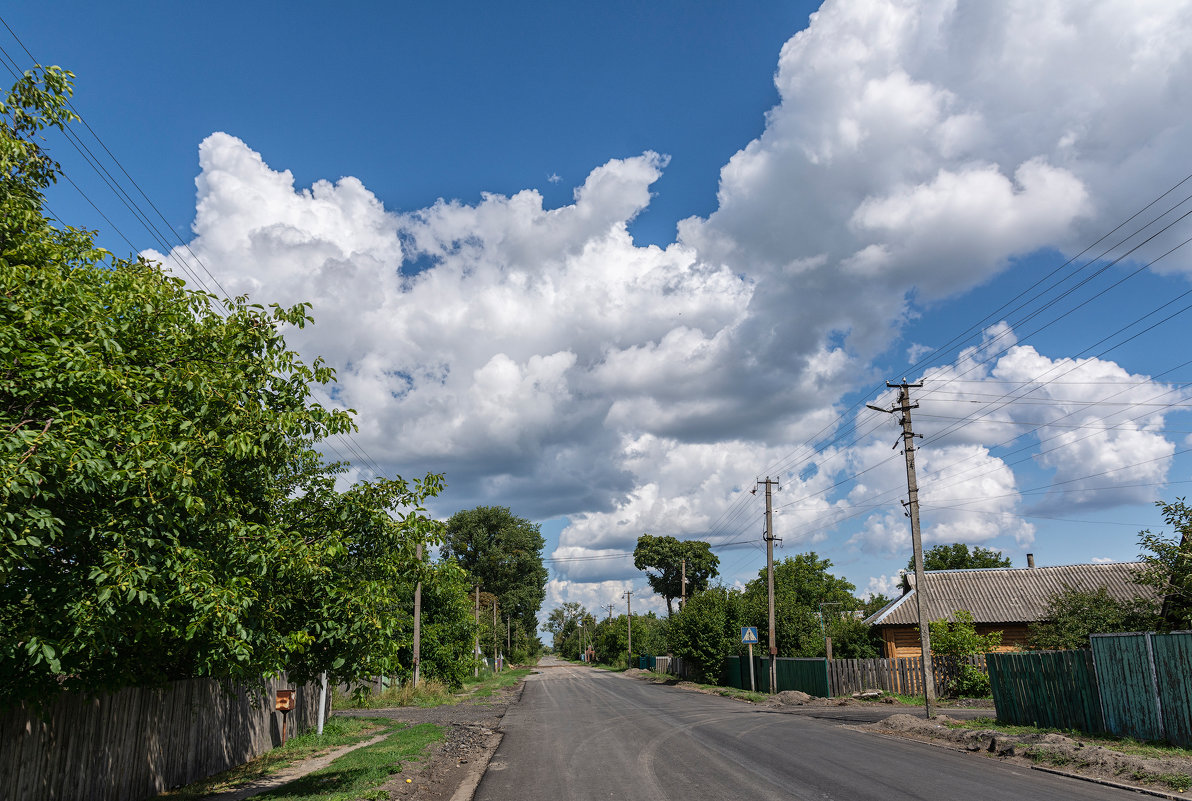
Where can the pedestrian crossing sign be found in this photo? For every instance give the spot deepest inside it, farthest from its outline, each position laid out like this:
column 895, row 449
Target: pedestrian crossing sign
column 749, row 635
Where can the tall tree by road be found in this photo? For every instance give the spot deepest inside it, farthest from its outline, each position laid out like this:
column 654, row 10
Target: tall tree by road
column 957, row 556
column 663, row 560
column 503, row 552
column 166, row 512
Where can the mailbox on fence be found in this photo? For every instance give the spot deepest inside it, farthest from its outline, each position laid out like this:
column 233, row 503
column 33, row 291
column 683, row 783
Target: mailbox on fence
column 285, row 700
column 284, row 703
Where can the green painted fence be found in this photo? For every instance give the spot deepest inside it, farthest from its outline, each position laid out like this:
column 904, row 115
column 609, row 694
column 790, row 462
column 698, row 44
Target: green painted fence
column 1146, row 684
column 1131, row 685
column 1053, row 689
column 807, row 675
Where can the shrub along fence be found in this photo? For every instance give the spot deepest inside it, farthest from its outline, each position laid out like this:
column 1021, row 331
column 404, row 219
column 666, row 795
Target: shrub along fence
column 1136, row 685
column 138, row 742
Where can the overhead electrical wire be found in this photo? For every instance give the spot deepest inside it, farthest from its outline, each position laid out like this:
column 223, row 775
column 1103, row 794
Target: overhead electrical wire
column 362, row 458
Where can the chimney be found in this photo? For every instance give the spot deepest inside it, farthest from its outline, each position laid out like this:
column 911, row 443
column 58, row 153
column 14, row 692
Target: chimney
column 1030, row 560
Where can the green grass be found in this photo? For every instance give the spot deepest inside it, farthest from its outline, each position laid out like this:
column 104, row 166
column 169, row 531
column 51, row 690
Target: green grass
column 506, row 678
column 336, row 732
column 432, row 693
column 353, row 775
column 428, row 693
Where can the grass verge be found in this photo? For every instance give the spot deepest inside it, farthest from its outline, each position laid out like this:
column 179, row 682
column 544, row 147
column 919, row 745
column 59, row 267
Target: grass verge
column 336, row 732
column 1180, row 782
column 431, row 693
column 356, row 775
column 1125, row 745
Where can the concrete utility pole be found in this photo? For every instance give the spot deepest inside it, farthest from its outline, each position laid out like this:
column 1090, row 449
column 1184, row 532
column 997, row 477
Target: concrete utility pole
column 683, row 595
column 417, row 617
column 494, row 635
column 508, row 635
column 904, row 406
column 629, row 621
column 770, row 580
column 610, row 611
column 476, row 613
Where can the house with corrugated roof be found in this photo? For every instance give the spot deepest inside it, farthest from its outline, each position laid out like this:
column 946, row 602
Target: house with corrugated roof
column 1004, row 599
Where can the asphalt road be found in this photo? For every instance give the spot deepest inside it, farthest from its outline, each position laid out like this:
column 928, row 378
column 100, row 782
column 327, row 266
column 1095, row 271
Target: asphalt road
column 585, row 734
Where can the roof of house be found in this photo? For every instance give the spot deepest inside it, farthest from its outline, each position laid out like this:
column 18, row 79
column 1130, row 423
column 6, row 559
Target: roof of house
column 1007, row 594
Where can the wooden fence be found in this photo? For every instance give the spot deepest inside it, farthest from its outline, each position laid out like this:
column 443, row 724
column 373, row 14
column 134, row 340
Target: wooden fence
column 1145, row 684
column 903, row 675
column 138, row 742
column 1053, row 689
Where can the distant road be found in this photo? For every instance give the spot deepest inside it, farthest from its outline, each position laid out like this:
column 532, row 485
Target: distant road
column 581, row 734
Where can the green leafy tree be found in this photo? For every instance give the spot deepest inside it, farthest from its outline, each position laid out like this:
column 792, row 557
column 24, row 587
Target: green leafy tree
column 571, row 626
column 707, row 629
column 959, row 638
column 803, row 588
column 957, row 556
column 852, row 639
column 503, row 552
column 1168, row 564
column 663, row 560
column 1072, row 615
column 166, row 514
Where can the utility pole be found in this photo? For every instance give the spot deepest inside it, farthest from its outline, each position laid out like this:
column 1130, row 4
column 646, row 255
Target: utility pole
column 417, row 617
column 629, row 621
column 770, row 580
column 494, row 634
column 683, row 595
column 476, row 613
column 508, row 635
column 610, row 611
column 904, row 406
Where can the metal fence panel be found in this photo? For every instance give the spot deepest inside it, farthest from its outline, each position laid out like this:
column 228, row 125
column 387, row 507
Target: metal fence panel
column 1128, row 699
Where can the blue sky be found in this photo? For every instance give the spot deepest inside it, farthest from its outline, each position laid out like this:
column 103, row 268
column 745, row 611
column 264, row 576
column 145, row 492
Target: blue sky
column 608, row 265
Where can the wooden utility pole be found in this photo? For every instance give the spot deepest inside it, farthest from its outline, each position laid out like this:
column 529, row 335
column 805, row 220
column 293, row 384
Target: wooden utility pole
column 629, row 622
column 904, row 406
column 476, row 653
column 683, row 595
column 417, row 616
column 770, row 580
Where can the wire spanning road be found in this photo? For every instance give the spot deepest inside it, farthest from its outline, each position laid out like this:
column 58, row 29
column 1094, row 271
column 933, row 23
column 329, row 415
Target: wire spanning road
column 583, row 734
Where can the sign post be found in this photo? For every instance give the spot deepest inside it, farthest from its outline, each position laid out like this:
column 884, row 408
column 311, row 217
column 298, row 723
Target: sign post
column 749, row 637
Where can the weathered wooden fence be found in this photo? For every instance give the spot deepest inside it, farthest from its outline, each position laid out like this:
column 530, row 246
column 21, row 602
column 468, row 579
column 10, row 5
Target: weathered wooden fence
column 1136, row 684
column 1053, row 689
column 138, row 742
column 1145, row 682
column 903, row 675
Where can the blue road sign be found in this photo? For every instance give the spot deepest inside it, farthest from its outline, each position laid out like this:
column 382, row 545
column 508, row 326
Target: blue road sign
column 749, row 635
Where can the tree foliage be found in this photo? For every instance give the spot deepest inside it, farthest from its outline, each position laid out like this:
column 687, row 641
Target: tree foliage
column 166, row 514
column 1168, row 564
column 1073, row 614
column 503, row 552
column 957, row 556
column 707, row 629
column 663, row 560
column 803, row 591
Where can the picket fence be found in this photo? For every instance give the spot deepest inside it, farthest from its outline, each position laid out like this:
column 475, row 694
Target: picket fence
column 138, row 742
column 903, row 675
